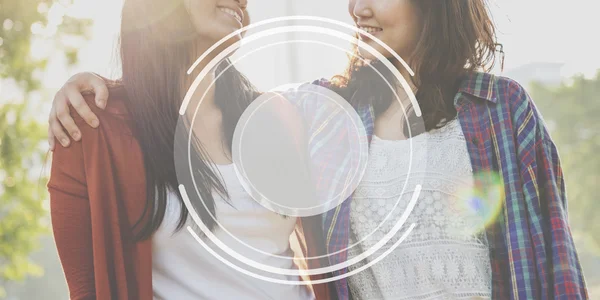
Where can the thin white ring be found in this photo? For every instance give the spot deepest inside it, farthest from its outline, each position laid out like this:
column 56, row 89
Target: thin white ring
column 280, row 271
column 319, row 30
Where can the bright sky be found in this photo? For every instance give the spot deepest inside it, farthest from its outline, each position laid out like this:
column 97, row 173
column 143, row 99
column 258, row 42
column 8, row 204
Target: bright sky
column 531, row 31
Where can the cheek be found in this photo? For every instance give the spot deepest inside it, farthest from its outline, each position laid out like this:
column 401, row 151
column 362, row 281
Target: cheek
column 412, row 33
column 404, row 30
column 199, row 15
column 412, row 27
column 210, row 25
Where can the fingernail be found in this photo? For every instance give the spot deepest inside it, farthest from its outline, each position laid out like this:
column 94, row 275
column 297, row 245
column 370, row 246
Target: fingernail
column 64, row 142
column 76, row 135
column 101, row 104
column 95, row 122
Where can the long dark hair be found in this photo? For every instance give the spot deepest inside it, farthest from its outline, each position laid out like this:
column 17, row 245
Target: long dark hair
column 158, row 44
column 457, row 38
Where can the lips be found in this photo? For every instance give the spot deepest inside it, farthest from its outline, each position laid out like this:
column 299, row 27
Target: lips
column 237, row 14
column 369, row 29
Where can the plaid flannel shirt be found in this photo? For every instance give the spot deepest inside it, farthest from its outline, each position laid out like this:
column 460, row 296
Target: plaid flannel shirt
column 531, row 248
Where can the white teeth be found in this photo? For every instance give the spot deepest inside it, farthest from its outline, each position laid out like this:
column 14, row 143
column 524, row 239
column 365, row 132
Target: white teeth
column 232, row 12
column 371, row 29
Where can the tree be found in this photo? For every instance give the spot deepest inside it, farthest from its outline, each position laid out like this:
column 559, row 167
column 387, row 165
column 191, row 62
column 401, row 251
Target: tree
column 21, row 209
column 572, row 112
column 23, row 217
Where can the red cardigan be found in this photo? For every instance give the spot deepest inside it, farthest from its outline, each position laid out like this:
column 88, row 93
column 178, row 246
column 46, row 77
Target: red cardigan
column 97, row 192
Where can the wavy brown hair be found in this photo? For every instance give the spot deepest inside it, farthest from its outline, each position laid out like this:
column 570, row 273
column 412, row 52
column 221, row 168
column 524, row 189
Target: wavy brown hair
column 458, row 37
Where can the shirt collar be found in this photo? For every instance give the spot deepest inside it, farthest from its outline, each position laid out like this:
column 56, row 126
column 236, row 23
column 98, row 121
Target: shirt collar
column 478, row 84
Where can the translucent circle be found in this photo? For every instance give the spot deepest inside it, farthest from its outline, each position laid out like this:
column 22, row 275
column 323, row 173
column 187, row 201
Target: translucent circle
column 300, row 152
column 212, row 64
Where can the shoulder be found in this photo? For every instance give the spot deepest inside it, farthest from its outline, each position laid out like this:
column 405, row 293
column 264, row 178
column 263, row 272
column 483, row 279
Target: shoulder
column 520, row 106
column 511, row 90
column 506, row 94
column 115, row 127
column 513, row 105
column 492, row 87
column 115, row 118
column 97, row 147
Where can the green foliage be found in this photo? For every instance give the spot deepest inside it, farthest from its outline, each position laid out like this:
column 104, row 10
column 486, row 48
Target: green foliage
column 21, row 192
column 572, row 112
column 17, row 20
column 21, row 206
column 23, row 218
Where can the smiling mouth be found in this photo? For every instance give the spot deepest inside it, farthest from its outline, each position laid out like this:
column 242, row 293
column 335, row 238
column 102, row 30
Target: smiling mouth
column 370, row 30
column 232, row 13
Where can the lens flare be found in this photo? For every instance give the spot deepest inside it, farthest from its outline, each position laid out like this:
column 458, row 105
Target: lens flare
column 480, row 205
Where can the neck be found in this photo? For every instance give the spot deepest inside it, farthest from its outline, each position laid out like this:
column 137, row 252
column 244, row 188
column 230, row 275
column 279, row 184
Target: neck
column 390, row 124
column 405, row 74
column 398, row 106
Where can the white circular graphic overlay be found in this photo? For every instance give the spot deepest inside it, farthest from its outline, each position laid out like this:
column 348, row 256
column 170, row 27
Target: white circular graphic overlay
column 286, row 117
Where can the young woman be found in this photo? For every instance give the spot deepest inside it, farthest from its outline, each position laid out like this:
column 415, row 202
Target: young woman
column 117, row 211
column 480, row 136
column 479, row 147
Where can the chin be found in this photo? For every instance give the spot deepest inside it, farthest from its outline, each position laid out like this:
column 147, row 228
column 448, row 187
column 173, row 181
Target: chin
column 364, row 53
column 232, row 40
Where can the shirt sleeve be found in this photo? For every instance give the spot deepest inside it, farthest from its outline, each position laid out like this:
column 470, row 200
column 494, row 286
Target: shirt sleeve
column 332, row 152
column 338, row 151
column 557, row 262
column 71, row 220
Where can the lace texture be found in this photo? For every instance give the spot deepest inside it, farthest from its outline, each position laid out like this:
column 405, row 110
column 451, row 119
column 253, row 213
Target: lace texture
column 445, row 256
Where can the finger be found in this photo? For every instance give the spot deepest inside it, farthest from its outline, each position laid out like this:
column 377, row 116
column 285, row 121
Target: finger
column 65, row 122
column 59, row 133
column 82, row 108
column 50, row 138
column 59, row 101
column 101, row 91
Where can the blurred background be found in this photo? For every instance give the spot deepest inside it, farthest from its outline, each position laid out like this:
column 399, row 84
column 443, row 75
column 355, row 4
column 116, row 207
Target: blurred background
column 551, row 48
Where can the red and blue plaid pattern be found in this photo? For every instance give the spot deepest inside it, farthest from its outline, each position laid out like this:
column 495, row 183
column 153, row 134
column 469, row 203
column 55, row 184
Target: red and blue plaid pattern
column 531, row 247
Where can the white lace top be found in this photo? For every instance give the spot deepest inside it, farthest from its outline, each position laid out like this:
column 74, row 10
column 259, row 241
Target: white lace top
column 443, row 257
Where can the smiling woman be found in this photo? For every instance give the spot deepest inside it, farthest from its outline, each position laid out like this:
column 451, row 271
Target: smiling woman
column 491, row 216
column 117, row 210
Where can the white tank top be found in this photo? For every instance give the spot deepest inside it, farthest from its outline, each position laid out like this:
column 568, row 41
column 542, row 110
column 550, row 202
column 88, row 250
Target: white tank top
column 183, row 269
